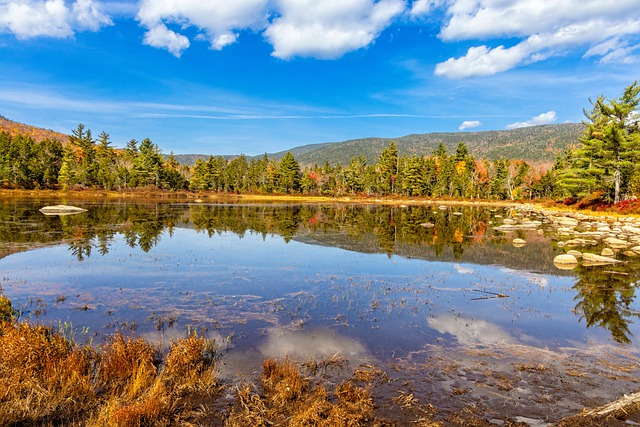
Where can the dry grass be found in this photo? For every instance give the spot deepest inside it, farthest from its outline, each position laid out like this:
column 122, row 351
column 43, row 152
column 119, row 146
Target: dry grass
column 47, row 380
column 291, row 400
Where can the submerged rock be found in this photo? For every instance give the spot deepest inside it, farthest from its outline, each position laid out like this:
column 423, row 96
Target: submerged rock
column 61, row 210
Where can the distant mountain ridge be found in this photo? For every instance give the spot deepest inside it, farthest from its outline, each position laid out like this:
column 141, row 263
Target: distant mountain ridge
column 535, row 144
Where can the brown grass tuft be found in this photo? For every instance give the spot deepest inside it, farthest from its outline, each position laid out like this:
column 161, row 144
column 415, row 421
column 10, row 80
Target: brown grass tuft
column 190, row 365
column 290, row 401
column 42, row 375
column 282, row 381
column 128, row 366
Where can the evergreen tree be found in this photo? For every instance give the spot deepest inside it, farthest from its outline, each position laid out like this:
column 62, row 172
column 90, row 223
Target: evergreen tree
column 86, row 169
column 67, row 169
column 289, row 174
column 147, row 165
column 499, row 179
column 106, row 162
column 608, row 159
column 388, row 169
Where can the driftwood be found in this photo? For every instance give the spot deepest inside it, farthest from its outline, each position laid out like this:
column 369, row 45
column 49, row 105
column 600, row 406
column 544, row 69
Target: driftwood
column 626, row 404
column 620, row 409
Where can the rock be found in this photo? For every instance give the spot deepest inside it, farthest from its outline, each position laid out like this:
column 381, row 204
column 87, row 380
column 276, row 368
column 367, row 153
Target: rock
column 593, row 260
column 616, row 243
column 457, row 213
column 630, row 229
column 509, row 221
column 61, row 210
column 629, row 254
column 565, row 262
column 568, row 222
column 607, row 252
column 443, row 207
column 505, row 228
column 575, row 253
column 636, row 249
column 518, row 243
column 427, row 225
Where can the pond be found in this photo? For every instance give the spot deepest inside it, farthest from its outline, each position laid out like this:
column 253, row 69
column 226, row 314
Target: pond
column 441, row 292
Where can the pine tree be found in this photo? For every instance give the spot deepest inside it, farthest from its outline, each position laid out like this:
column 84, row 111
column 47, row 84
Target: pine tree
column 289, row 174
column 608, row 159
column 388, row 169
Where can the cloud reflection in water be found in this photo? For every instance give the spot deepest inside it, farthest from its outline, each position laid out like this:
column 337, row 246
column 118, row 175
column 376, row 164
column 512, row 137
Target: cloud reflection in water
column 470, row 331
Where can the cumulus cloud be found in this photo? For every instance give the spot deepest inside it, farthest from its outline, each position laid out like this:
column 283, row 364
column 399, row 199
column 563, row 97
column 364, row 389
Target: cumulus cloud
column 468, row 124
column 330, row 28
column 545, row 29
column 542, row 119
column 161, row 37
column 218, row 21
column 51, row 18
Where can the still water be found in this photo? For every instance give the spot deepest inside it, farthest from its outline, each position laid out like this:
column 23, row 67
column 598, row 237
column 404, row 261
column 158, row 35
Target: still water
column 308, row 280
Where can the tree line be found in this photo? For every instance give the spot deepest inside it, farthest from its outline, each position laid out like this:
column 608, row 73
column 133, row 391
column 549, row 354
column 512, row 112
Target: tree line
column 603, row 164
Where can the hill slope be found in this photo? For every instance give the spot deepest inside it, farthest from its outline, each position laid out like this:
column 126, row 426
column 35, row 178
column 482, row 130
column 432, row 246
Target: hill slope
column 38, row 134
column 535, row 143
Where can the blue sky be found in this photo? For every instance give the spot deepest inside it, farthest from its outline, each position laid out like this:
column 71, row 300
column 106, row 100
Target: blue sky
column 255, row 76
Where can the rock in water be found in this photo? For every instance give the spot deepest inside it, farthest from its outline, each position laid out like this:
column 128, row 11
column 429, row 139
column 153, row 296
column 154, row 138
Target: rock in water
column 518, row 243
column 61, row 210
column 565, row 262
column 593, row 259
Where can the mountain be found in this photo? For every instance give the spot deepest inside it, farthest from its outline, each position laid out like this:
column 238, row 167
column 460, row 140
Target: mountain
column 535, row 143
column 38, row 134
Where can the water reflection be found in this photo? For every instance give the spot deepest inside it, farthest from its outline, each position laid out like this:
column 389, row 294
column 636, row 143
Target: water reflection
column 470, row 331
column 604, row 296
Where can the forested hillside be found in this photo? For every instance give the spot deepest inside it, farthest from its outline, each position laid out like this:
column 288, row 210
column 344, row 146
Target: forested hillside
column 36, row 133
column 533, row 144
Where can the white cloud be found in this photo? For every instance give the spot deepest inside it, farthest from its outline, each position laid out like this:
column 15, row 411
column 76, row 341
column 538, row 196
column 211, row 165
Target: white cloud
column 468, row 124
column 330, row 28
column 52, row 18
column 88, row 15
column 161, row 37
column 542, row 119
column 545, row 29
column 424, row 7
column 218, row 20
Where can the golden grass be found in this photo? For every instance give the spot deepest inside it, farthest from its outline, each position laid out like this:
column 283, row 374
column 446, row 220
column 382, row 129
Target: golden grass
column 288, row 399
column 47, row 380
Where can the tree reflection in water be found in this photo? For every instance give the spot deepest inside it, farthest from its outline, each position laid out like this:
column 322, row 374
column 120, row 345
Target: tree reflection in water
column 604, row 295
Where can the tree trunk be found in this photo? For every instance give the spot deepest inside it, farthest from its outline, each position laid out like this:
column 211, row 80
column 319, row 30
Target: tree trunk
column 616, row 182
